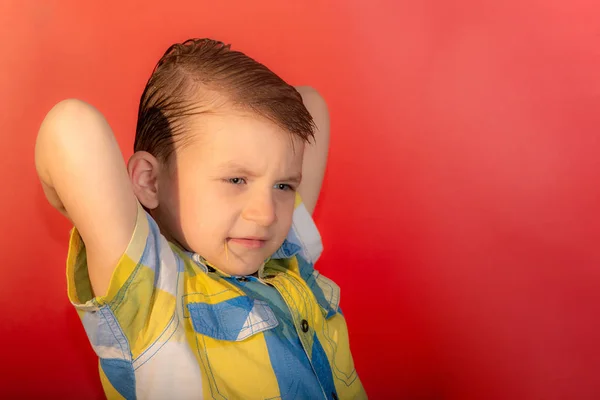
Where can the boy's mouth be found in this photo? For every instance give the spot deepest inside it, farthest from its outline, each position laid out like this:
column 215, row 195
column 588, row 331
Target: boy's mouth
column 249, row 242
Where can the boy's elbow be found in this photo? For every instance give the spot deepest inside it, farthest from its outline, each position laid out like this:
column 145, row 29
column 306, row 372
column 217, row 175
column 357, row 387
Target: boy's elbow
column 317, row 107
column 311, row 96
column 63, row 131
column 69, row 105
column 68, row 123
column 68, row 113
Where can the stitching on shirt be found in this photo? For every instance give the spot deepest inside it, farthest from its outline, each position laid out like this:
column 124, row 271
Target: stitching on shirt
column 270, row 321
column 221, row 328
column 161, row 346
column 115, row 304
column 103, row 312
column 335, row 368
column 209, row 369
column 120, row 296
column 152, row 236
column 303, row 295
column 173, row 318
column 327, row 282
column 204, row 294
column 334, row 348
column 149, row 347
column 288, row 390
column 287, row 366
column 185, row 302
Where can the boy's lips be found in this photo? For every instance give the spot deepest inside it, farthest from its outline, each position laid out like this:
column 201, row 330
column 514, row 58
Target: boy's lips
column 248, row 242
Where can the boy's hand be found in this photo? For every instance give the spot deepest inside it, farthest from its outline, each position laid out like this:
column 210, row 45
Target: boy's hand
column 315, row 154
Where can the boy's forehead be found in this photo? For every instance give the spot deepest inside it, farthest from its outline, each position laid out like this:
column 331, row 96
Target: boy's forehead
column 234, row 130
column 234, row 136
column 228, row 118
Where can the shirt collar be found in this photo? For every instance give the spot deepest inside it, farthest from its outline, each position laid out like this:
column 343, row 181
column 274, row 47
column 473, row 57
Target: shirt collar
column 286, row 250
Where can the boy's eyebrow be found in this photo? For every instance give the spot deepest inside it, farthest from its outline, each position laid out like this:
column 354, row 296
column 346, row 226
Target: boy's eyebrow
column 233, row 166
column 297, row 178
column 238, row 168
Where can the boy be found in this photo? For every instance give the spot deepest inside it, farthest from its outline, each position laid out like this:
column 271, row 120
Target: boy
column 192, row 267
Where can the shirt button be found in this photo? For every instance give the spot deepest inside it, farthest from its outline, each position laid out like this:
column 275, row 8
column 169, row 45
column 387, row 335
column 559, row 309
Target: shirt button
column 334, row 396
column 304, row 324
column 242, row 279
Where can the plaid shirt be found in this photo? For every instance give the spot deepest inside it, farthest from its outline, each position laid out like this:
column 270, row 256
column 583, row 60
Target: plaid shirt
column 172, row 326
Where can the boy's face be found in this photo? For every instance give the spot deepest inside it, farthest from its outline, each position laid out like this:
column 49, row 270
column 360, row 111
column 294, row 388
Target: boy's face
column 229, row 195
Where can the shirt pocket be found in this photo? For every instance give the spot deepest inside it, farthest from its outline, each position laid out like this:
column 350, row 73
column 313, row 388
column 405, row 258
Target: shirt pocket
column 232, row 320
column 231, row 347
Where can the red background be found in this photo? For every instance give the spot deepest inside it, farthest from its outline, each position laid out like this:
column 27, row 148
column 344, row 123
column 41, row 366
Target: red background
column 460, row 211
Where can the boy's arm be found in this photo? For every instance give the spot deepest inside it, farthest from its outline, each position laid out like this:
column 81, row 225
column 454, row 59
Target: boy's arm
column 84, row 176
column 315, row 154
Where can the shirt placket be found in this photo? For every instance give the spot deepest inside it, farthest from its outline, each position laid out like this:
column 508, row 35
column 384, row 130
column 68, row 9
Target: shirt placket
column 302, row 306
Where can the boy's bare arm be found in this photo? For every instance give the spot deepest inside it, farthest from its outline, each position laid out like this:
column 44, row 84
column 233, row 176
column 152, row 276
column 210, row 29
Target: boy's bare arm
column 84, row 176
column 315, row 154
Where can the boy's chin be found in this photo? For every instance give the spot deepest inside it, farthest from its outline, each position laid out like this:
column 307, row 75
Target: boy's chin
column 240, row 268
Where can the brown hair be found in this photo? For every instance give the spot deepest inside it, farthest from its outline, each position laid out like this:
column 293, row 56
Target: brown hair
column 200, row 75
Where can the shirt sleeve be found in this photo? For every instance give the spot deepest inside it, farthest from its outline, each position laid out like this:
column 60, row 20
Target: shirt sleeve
column 141, row 299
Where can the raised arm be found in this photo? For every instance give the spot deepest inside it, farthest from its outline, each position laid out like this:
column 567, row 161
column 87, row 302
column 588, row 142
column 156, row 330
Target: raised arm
column 83, row 175
column 315, row 154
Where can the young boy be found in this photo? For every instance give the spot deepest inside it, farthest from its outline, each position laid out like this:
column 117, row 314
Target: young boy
column 192, row 268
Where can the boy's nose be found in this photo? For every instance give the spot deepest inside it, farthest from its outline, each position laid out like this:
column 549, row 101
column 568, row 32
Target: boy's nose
column 260, row 210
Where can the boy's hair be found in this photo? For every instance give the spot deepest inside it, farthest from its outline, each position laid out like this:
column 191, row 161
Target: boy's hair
column 199, row 76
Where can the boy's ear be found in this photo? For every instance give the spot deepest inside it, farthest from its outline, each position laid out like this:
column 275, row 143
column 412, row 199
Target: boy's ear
column 144, row 170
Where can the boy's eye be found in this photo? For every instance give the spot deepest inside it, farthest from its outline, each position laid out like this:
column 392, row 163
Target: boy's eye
column 236, row 181
column 284, row 186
